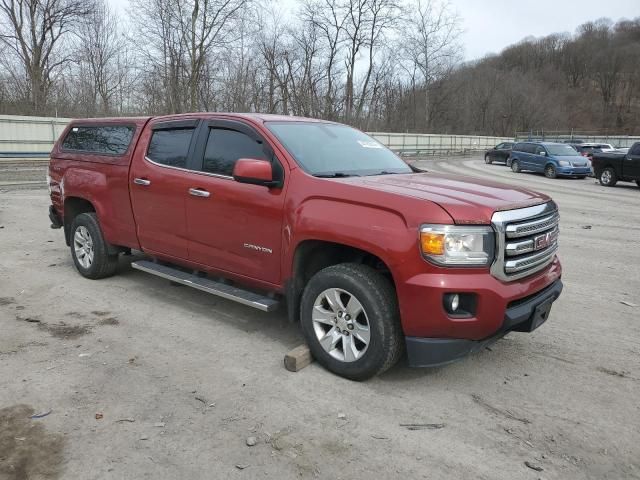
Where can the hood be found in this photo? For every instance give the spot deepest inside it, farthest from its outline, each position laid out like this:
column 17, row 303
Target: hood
column 468, row 200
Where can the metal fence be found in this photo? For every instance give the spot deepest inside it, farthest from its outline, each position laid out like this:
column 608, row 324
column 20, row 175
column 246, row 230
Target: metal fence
column 420, row 144
column 22, row 137
column 578, row 136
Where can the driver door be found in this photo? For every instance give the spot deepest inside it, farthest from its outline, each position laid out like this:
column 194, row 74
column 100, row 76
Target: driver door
column 233, row 227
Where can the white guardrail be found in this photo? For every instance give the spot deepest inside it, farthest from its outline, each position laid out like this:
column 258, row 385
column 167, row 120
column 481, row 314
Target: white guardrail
column 21, row 136
column 418, row 143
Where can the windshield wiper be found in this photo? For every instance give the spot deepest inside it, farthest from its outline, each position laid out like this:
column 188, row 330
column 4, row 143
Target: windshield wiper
column 386, row 172
column 335, row 175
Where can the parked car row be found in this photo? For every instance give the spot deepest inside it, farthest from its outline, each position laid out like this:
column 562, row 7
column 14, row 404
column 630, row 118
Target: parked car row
column 579, row 160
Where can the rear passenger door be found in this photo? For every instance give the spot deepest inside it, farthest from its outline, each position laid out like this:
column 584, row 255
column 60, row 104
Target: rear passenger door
column 539, row 158
column 524, row 155
column 159, row 181
column 234, row 227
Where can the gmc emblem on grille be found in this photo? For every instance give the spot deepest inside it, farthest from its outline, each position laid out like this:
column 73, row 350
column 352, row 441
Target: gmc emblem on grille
column 544, row 240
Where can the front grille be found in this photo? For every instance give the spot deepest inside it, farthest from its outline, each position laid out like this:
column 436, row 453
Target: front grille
column 527, row 240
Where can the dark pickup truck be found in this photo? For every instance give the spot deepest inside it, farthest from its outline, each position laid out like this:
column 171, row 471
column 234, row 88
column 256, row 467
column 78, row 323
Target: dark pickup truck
column 611, row 168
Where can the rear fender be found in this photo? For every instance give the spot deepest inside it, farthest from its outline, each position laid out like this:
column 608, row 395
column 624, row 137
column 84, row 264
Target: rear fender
column 93, row 186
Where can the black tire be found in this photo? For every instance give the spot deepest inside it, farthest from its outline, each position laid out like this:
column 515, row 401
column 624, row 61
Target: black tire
column 102, row 264
column 638, row 183
column 550, row 171
column 488, row 160
column 515, row 166
column 608, row 177
column 378, row 298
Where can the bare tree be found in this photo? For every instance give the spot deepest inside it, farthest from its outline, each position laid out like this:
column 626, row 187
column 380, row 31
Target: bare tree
column 104, row 53
column 33, row 30
column 431, row 43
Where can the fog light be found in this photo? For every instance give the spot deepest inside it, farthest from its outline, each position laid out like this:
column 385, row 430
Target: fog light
column 459, row 305
column 451, row 302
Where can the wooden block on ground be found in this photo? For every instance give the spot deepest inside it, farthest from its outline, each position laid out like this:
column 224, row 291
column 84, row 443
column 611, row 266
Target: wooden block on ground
column 298, row 358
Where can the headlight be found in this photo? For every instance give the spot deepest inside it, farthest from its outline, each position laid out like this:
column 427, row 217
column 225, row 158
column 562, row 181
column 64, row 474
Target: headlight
column 564, row 163
column 452, row 245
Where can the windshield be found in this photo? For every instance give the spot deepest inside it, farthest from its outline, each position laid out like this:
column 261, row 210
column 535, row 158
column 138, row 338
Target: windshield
column 562, row 150
column 327, row 149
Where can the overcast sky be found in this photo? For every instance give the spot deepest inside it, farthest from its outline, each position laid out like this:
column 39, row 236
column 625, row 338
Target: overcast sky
column 491, row 25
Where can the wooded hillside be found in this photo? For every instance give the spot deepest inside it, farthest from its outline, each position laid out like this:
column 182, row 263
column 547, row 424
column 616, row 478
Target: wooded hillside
column 386, row 65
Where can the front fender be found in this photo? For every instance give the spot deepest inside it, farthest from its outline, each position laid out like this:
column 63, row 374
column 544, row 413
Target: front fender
column 379, row 231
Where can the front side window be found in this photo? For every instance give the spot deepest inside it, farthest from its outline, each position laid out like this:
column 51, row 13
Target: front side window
column 99, row 140
column 225, row 147
column 562, row 151
column 328, row 149
column 170, row 146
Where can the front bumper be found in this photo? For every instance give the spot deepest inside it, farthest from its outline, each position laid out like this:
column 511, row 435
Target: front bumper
column 521, row 316
column 570, row 171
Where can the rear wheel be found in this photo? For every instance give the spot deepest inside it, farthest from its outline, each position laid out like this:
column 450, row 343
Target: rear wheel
column 89, row 250
column 550, row 171
column 608, row 177
column 351, row 321
column 488, row 160
column 515, row 166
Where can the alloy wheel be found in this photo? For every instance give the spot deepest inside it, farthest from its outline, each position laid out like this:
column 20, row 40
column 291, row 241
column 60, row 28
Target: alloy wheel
column 83, row 246
column 341, row 325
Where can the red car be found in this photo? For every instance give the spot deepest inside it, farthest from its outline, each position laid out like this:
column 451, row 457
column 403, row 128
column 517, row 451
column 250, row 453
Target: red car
column 369, row 254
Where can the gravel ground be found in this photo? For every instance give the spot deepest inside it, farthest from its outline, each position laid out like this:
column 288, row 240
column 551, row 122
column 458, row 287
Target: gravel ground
column 147, row 380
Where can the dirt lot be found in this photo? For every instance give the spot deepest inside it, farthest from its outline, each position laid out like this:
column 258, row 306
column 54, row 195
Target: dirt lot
column 147, row 380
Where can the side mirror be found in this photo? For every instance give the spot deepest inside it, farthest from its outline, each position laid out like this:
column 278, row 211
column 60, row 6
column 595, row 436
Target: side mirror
column 543, row 153
column 255, row 172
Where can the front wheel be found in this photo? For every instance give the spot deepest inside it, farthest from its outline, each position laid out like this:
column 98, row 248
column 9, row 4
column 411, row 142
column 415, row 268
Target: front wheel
column 550, row 171
column 488, row 160
column 89, row 250
column 515, row 166
column 351, row 321
column 608, row 177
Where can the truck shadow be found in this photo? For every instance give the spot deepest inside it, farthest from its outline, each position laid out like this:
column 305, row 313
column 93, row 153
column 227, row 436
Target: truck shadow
column 274, row 325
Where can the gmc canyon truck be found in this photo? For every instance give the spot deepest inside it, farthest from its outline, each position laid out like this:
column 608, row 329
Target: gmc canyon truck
column 611, row 168
column 372, row 256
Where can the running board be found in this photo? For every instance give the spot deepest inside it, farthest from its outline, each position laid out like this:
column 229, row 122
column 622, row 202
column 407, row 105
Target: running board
column 229, row 292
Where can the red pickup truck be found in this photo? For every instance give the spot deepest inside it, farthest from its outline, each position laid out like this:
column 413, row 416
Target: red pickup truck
column 371, row 255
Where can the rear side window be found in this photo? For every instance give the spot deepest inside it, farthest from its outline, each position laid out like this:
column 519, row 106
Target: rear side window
column 225, row 147
column 519, row 147
column 99, row 140
column 170, row 146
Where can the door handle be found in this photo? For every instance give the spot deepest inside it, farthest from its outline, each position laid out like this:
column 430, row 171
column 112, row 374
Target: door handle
column 197, row 192
column 142, row 181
